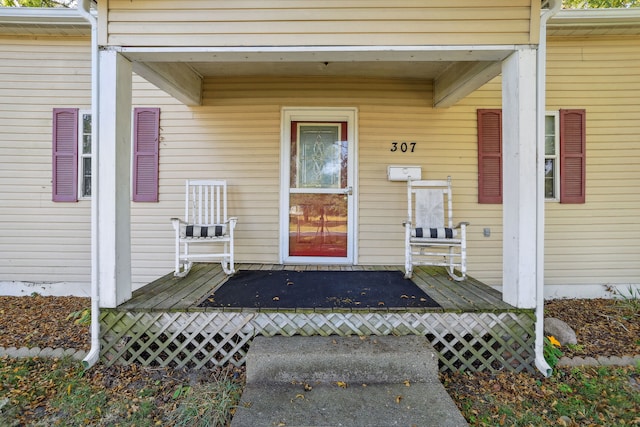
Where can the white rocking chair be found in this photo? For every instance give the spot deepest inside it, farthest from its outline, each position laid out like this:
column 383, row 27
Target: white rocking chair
column 430, row 237
column 205, row 222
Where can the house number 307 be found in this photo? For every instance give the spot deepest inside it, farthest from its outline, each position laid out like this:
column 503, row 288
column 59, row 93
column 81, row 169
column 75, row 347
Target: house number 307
column 405, row 147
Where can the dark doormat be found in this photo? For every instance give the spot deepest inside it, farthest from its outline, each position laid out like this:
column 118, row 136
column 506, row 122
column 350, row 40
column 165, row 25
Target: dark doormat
column 319, row 289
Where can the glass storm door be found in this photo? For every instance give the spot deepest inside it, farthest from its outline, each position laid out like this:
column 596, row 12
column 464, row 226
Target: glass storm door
column 319, row 193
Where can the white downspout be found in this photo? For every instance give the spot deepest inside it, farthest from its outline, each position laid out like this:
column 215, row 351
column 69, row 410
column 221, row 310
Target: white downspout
column 541, row 363
column 84, row 8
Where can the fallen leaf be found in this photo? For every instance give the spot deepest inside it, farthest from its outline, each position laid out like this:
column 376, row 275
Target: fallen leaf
column 342, row 384
column 276, row 298
column 299, row 396
column 398, row 399
column 407, row 383
column 307, row 387
column 423, row 299
column 381, row 303
column 404, row 296
column 503, row 418
column 289, row 283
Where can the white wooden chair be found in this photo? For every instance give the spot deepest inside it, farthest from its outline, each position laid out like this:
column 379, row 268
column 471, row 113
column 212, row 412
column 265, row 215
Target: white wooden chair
column 205, row 223
column 430, row 236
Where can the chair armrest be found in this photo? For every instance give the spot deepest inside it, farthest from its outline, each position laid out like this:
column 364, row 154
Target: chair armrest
column 232, row 221
column 461, row 224
column 406, row 222
column 176, row 223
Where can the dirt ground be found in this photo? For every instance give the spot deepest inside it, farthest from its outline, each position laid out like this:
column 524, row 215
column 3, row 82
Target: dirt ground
column 604, row 327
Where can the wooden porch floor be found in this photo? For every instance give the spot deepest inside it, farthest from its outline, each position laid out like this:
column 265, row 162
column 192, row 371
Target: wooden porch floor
column 170, row 293
column 163, row 325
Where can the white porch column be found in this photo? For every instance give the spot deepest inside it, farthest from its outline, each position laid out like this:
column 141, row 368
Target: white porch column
column 114, row 172
column 519, row 178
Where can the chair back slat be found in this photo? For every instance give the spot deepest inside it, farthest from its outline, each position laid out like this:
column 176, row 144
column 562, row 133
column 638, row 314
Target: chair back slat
column 206, row 202
column 431, row 203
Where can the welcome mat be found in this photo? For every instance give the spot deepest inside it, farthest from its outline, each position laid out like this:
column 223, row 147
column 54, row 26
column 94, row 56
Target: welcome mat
column 319, row 289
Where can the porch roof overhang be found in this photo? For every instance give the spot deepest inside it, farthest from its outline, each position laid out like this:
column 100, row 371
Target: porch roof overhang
column 456, row 71
column 595, row 22
column 33, row 21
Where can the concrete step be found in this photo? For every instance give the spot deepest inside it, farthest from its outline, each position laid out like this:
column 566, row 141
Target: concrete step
column 344, row 381
column 384, row 359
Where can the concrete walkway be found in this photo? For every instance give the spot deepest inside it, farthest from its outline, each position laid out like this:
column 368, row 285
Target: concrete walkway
column 344, row 381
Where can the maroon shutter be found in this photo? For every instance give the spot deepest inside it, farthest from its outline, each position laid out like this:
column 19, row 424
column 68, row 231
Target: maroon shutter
column 572, row 156
column 65, row 155
column 490, row 156
column 146, row 125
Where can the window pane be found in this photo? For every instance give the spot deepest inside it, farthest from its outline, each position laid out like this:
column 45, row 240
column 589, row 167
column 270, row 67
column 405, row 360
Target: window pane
column 86, row 177
column 549, row 175
column 86, row 123
column 550, row 135
column 318, row 225
column 550, row 145
column 549, row 125
column 86, row 144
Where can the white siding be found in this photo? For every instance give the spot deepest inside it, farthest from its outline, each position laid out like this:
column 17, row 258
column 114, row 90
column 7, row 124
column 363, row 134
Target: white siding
column 39, row 240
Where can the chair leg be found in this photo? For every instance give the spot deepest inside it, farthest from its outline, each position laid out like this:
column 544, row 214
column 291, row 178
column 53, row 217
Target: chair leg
column 451, row 267
column 185, row 270
column 408, row 264
column 186, row 265
column 227, row 261
column 452, row 272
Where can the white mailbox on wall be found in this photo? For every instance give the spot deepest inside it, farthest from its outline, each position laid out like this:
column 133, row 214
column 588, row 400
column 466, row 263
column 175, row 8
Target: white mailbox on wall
column 403, row 173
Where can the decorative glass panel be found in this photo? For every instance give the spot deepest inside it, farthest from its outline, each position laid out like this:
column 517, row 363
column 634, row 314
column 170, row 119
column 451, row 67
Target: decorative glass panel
column 319, row 158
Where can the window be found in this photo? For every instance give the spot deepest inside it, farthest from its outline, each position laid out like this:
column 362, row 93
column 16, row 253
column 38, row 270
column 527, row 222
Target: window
column 72, row 148
column 84, row 133
column 551, row 156
column 565, row 148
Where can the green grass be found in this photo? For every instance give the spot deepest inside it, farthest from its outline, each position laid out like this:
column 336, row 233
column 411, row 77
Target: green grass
column 45, row 392
column 590, row 396
column 209, row 405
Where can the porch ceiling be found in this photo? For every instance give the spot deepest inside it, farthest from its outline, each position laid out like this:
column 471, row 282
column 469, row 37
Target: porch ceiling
column 456, row 71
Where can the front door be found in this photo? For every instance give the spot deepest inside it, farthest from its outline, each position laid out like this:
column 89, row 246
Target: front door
column 319, row 149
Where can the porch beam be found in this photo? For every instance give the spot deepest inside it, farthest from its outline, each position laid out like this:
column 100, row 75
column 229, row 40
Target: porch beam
column 519, row 273
column 177, row 79
column 113, row 190
column 461, row 79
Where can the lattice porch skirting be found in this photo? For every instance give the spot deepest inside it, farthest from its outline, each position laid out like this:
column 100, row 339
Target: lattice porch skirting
column 465, row 341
